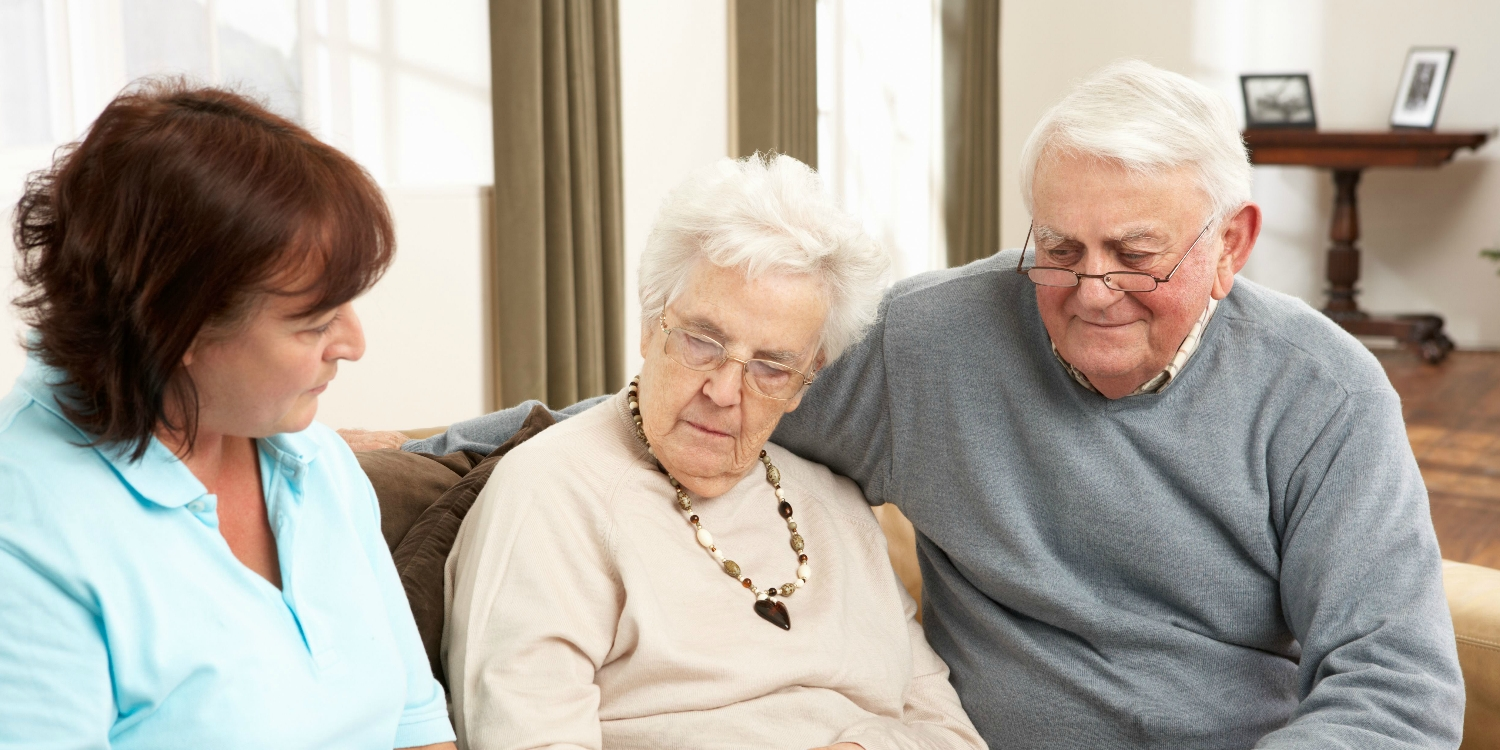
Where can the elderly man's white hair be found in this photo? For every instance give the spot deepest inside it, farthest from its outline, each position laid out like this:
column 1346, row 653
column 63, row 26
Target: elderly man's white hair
column 1148, row 120
column 767, row 215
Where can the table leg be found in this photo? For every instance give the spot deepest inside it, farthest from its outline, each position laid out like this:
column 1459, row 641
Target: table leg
column 1423, row 334
column 1343, row 255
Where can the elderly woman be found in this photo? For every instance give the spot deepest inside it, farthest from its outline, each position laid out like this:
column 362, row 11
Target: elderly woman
column 186, row 560
column 652, row 572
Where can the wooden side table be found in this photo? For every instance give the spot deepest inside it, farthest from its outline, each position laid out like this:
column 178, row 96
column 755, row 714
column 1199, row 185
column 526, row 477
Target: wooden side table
column 1348, row 155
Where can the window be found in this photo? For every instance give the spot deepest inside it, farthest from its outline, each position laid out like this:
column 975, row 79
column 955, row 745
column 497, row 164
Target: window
column 401, row 85
column 880, row 122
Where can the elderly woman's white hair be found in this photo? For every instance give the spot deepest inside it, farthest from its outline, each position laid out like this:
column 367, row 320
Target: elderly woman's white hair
column 1148, row 120
column 768, row 215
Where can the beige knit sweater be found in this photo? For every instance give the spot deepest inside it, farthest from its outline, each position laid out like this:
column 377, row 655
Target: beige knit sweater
column 583, row 613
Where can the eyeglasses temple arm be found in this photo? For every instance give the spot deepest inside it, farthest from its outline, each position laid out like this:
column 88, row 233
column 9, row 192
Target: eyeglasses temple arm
column 1022, row 260
column 1184, row 255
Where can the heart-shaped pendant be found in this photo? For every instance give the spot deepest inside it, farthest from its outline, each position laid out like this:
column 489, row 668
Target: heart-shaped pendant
column 774, row 612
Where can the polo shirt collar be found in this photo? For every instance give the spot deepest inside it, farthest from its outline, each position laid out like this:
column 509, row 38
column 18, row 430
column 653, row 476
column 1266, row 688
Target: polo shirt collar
column 159, row 477
column 1160, row 382
column 296, row 448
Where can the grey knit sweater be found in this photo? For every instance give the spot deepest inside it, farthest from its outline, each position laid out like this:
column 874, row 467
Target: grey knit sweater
column 1244, row 559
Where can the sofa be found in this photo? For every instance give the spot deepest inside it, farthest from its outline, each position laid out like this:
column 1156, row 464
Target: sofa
column 423, row 500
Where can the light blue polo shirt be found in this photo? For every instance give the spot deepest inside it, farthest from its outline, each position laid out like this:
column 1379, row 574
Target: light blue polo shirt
column 126, row 622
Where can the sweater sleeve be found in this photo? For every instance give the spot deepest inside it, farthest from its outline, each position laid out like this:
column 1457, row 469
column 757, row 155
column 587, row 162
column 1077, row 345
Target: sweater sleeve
column 844, row 420
column 932, row 717
column 486, row 432
column 1362, row 590
column 535, row 605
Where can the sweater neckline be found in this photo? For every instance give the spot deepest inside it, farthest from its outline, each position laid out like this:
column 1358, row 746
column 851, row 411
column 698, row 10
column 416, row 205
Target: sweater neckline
column 1183, row 379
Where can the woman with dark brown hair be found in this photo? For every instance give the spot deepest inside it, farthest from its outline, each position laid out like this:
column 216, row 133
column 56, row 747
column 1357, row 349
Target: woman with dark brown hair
column 186, row 559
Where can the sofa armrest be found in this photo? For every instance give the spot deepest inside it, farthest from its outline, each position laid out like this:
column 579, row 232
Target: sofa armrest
column 1474, row 599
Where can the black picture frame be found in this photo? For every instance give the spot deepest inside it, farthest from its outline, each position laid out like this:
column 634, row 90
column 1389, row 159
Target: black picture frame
column 1423, row 84
column 1278, row 100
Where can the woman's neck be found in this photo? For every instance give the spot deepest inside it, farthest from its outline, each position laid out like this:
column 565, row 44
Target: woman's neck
column 704, row 487
column 209, row 454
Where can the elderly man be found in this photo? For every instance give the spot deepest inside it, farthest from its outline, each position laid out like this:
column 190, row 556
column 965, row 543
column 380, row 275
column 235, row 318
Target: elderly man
column 1157, row 505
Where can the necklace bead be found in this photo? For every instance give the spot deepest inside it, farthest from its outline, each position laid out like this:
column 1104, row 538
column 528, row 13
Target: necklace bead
column 773, row 612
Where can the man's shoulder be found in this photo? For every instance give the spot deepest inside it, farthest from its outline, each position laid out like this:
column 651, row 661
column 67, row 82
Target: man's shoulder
column 949, row 286
column 1284, row 329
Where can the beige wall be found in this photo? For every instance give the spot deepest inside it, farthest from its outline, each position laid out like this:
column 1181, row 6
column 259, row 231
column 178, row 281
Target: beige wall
column 674, row 107
column 424, row 363
column 12, row 358
column 425, row 357
column 1422, row 228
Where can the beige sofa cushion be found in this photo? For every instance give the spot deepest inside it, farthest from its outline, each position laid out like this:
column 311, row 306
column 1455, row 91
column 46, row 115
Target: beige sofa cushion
column 1474, row 600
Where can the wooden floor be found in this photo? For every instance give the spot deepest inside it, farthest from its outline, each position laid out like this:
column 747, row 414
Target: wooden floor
column 1453, row 420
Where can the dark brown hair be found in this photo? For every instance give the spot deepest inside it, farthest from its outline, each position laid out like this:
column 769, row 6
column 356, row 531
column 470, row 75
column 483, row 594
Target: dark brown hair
column 178, row 209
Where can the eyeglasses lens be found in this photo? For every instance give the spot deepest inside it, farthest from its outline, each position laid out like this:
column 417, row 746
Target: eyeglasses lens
column 1129, row 282
column 1052, row 277
column 705, row 355
column 694, row 352
column 772, row 380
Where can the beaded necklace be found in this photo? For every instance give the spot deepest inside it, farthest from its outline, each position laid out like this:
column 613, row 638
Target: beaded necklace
column 769, row 608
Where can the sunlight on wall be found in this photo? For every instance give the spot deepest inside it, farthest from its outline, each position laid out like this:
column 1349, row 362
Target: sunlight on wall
column 674, row 117
column 400, row 85
column 880, row 115
column 1232, row 37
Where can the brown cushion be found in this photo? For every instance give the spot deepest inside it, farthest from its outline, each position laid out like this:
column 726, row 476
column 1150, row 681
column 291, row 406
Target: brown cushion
column 406, row 484
column 421, row 556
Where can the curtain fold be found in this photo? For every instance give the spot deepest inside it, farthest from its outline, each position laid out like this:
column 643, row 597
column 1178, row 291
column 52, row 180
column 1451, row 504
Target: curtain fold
column 773, row 81
column 973, row 176
column 558, row 240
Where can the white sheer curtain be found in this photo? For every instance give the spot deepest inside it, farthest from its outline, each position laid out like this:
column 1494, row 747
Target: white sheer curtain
column 880, row 122
column 402, row 85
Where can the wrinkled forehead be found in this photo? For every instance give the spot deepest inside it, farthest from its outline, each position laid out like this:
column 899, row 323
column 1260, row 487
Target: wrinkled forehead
column 771, row 313
column 1140, row 232
column 1087, row 200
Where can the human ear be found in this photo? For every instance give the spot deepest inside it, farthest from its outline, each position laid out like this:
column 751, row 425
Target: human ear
column 1240, row 232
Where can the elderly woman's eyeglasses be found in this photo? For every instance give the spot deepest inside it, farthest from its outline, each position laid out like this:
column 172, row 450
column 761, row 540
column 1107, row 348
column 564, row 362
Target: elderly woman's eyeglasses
column 1120, row 281
column 698, row 352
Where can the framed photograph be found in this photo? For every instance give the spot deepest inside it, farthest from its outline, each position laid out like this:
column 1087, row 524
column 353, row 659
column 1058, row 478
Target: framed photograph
column 1421, row 91
column 1278, row 101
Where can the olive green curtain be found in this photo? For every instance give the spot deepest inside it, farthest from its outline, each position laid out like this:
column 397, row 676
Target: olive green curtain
column 971, row 50
column 557, row 261
column 773, row 79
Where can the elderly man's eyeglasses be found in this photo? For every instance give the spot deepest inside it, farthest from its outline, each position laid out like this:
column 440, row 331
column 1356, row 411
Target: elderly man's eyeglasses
column 1120, row 281
column 698, row 352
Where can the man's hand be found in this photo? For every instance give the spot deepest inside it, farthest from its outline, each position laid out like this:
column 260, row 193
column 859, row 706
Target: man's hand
column 370, row 440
